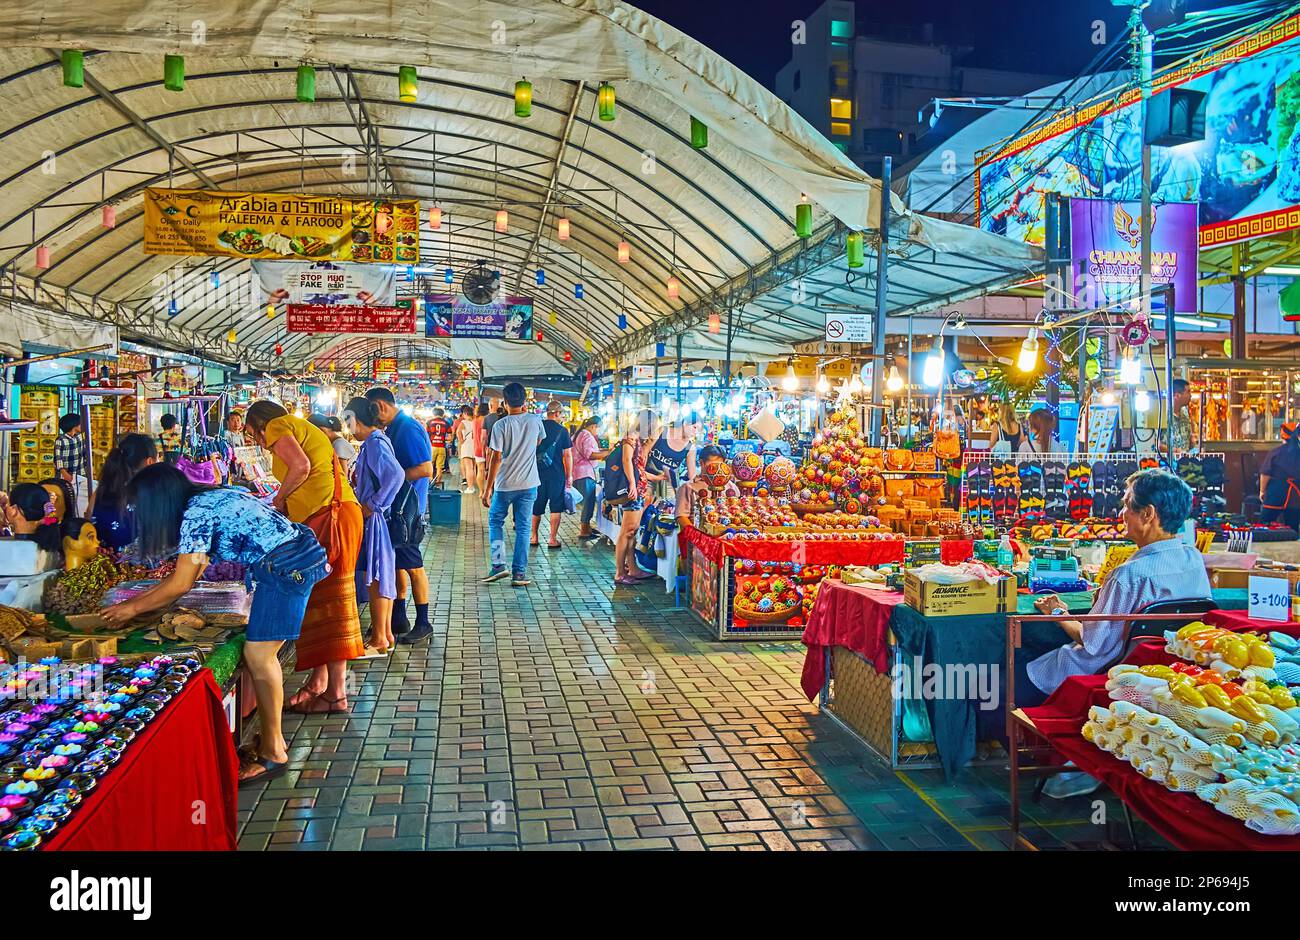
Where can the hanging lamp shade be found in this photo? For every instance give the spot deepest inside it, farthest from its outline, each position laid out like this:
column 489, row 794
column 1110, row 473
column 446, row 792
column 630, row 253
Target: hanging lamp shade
column 661, row 350
column 562, row 229
column 108, row 216
column 540, row 336
column 503, row 220
column 555, row 318
column 568, row 356
column 577, row 290
column 613, row 363
column 74, row 67
column 435, row 217
column 172, row 308
column 215, row 278
column 715, row 323
column 448, row 276
column 853, row 247
column 174, row 72
column 622, row 321
column 699, row 134
column 279, row 350
column 624, row 252
column 523, row 98
column 673, row 287
column 270, row 311
column 588, row 344
column 541, row 276
column 42, row 257
column 407, row 83
column 232, row 336
column 306, row 85
column 803, row 218
column 605, row 101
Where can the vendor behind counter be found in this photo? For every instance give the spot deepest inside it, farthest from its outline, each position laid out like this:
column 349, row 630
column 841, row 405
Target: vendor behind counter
column 1279, row 481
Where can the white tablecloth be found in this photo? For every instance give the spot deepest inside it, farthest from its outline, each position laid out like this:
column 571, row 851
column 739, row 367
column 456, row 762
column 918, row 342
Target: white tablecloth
column 667, row 566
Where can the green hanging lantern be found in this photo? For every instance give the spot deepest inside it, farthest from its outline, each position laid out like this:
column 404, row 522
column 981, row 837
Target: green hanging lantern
column 605, row 101
column 174, row 72
column 306, row 83
column 407, row 83
column 699, row 134
column 74, row 68
column 803, row 218
column 1093, row 345
column 855, row 249
column 523, row 98
column 1091, row 369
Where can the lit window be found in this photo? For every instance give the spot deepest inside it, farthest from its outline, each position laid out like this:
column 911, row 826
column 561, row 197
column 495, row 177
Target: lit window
column 840, row 129
column 842, row 108
column 841, row 29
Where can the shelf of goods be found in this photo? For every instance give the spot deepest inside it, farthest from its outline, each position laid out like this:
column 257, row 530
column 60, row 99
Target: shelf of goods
column 34, row 449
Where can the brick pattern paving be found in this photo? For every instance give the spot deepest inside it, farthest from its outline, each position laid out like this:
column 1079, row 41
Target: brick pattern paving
column 571, row 715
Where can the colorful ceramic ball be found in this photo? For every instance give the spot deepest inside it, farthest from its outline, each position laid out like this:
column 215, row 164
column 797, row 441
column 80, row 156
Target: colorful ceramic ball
column 780, row 473
column 716, row 472
column 746, row 467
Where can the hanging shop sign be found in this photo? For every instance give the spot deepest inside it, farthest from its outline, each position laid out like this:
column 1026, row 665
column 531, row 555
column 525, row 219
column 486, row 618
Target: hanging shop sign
column 325, row 318
column 325, row 283
column 445, row 315
column 385, row 369
column 280, row 226
column 1244, row 171
column 848, row 327
column 1106, row 245
column 1101, row 427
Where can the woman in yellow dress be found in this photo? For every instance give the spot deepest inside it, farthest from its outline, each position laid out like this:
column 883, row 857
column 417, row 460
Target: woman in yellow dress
column 314, row 492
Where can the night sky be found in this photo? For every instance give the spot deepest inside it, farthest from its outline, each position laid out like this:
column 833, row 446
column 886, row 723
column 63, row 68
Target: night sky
column 1045, row 36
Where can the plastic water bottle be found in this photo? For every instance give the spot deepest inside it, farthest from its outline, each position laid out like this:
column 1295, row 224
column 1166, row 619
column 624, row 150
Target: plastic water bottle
column 1006, row 554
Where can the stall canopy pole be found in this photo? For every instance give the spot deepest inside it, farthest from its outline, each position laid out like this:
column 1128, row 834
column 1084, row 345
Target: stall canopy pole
column 679, row 369
column 878, row 321
column 1171, row 340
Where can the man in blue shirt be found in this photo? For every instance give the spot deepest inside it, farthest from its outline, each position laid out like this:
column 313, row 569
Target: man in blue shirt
column 411, row 447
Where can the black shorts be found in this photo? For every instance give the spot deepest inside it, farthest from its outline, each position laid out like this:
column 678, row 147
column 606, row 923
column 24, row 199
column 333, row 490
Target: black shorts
column 552, row 492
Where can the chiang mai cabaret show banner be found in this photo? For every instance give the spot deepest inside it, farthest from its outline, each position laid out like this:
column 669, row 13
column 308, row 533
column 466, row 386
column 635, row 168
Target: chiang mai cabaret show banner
column 1106, row 239
column 281, row 226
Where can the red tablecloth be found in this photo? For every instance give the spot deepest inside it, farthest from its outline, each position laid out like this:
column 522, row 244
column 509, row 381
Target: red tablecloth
column 856, row 618
column 175, row 788
column 875, row 552
column 1181, row 818
column 1238, row 620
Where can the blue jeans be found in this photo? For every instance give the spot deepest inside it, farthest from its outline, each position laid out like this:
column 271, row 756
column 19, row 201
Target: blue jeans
column 502, row 501
column 587, row 487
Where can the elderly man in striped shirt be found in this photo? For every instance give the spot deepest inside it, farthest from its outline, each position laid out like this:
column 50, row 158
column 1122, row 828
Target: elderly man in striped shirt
column 1156, row 504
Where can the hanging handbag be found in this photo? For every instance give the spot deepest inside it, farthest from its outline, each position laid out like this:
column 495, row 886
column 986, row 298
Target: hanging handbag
column 618, row 488
column 399, row 524
column 325, row 520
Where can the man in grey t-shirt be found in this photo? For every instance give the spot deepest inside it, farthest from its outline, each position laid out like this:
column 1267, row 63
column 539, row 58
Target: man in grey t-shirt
column 512, row 483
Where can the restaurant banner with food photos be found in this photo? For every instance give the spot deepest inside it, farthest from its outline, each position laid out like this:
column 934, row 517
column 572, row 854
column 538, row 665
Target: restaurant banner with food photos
column 325, row 318
column 325, row 283
column 281, row 226
column 445, row 315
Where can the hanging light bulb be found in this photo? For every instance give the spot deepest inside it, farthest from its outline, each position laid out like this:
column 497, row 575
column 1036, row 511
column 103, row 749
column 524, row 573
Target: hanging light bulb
column 715, row 323
column 305, row 89
column 624, row 252
column 932, row 373
column 562, row 229
column 108, row 216
column 74, row 66
column 407, row 83
column 1142, row 400
column 270, row 311
column 523, row 98
column 674, row 287
column 823, row 384
column 1108, row 397
column 503, row 220
column 854, row 386
column 605, row 101
column 435, row 217
column 42, row 257
column 894, row 381
column 803, row 217
column 1028, row 359
column 790, row 381
column 1130, row 370
column 174, row 72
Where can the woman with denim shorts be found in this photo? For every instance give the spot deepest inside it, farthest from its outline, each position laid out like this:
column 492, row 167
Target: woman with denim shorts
column 202, row 524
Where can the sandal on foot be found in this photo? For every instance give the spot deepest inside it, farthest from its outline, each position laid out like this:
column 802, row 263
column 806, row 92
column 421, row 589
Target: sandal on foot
column 300, row 698
column 312, row 708
column 556, row 546
column 270, row 770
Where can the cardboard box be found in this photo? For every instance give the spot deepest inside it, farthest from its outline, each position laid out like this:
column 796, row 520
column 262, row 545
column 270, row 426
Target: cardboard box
column 1239, row 578
column 952, row 600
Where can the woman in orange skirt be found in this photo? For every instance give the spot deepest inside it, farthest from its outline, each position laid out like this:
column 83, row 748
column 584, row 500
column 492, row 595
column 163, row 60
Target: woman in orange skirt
column 313, row 491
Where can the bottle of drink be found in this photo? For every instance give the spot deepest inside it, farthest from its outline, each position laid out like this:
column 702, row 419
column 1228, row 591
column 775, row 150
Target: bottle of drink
column 1006, row 554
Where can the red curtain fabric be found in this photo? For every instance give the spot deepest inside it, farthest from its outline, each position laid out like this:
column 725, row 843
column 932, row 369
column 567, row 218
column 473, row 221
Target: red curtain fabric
column 174, row 790
column 856, row 618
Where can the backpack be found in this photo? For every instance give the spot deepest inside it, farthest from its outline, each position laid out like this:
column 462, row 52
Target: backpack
column 618, row 488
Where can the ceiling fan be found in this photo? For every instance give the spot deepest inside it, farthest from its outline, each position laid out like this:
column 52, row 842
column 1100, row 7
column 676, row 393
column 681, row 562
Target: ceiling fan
column 480, row 285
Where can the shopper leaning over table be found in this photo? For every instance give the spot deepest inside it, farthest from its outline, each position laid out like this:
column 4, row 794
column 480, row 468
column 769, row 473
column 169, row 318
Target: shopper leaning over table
column 638, row 439
column 314, row 492
column 377, row 477
column 586, row 451
column 202, row 524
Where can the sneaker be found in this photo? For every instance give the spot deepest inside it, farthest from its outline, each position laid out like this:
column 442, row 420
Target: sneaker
column 422, row 631
column 520, row 580
column 1073, row 783
column 496, row 574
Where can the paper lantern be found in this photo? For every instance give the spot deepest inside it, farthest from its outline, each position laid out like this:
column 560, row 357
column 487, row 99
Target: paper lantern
column 503, row 220
column 523, row 98
column 541, row 277
column 270, row 311
column 108, row 216
column 42, row 257
column 605, row 101
column 562, row 229
column 803, row 218
column 577, row 290
column 279, row 350
column 715, row 323
column 622, row 321
column 555, row 318
column 624, row 252
column 699, row 134
column 74, row 67
column 673, row 287
column 305, row 89
column 174, row 72
column 448, row 276
column 232, row 336
column 853, row 247
column 568, row 356
column 435, row 217
column 407, row 83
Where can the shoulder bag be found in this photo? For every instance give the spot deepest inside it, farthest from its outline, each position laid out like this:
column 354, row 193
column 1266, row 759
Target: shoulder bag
column 618, row 488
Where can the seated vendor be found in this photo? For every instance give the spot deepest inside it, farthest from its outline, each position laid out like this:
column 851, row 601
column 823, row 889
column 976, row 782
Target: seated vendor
column 29, row 512
column 688, row 493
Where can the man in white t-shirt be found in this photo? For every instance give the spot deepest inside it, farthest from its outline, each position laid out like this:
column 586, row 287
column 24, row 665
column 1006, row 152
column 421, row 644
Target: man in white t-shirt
column 512, row 481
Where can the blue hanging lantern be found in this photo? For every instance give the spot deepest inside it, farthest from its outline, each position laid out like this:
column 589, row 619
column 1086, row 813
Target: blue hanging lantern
column 215, row 278
column 622, row 321
column 577, row 290
column 172, row 308
column 541, row 276
column 661, row 350
column 447, row 275
column 410, row 272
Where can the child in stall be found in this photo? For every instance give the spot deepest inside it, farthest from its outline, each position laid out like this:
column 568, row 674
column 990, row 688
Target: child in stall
column 689, row 492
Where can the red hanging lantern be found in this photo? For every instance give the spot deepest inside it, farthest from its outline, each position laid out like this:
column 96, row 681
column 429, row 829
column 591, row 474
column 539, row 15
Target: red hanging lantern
column 279, row 350
column 108, row 216
column 568, row 356
column 715, row 323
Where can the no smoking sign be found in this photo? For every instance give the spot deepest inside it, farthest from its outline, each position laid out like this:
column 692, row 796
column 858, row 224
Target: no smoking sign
column 848, row 327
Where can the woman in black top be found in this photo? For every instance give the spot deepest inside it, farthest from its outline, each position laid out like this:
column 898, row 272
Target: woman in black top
column 555, row 470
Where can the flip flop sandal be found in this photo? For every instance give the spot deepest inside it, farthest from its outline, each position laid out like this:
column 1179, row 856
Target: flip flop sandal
column 1032, row 491
column 1055, row 478
column 295, row 703
column 557, row 546
column 306, row 708
column 270, row 770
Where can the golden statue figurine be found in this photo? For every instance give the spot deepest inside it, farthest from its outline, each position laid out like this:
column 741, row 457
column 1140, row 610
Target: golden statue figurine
column 79, row 551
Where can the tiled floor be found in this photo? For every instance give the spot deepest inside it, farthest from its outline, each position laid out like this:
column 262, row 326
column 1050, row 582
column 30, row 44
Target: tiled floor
column 570, row 715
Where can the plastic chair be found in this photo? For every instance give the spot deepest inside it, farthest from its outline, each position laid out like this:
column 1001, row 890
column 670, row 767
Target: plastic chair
column 1139, row 630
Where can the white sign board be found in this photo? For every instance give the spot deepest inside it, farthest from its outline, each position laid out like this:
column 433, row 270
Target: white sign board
column 1270, row 598
column 848, row 327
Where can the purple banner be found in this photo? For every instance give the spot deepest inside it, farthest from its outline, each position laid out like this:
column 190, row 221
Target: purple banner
column 445, row 315
column 1106, row 244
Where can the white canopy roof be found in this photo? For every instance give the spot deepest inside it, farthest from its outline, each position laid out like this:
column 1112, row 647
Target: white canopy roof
column 712, row 216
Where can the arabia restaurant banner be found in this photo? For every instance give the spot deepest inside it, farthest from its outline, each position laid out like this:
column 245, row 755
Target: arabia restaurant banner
column 445, row 315
column 280, row 226
column 325, row 283
column 341, row 318
column 1106, row 244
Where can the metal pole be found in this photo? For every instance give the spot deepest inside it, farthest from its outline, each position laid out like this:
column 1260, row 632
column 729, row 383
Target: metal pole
column 879, row 323
column 1142, row 46
column 911, row 324
column 679, row 369
column 1171, row 341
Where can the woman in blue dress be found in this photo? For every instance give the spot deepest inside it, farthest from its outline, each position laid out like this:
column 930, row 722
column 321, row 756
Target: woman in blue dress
column 376, row 479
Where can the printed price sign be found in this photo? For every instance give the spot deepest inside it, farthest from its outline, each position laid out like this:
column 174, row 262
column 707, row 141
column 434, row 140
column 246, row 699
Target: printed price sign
column 1270, row 598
